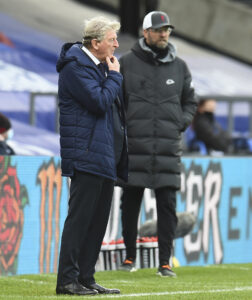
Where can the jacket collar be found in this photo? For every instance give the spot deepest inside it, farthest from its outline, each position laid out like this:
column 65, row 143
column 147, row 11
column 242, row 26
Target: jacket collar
column 73, row 52
column 91, row 55
column 146, row 53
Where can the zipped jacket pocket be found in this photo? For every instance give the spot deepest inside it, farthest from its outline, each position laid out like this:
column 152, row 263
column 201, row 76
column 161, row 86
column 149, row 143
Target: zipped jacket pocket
column 91, row 137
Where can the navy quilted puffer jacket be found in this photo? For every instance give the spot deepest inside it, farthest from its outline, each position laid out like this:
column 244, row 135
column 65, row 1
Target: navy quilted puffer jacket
column 86, row 116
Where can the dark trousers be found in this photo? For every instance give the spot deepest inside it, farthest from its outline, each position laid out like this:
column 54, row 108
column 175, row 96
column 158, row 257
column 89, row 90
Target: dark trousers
column 166, row 220
column 84, row 228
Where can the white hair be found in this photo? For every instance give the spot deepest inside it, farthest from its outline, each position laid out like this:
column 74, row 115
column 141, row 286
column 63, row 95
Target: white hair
column 97, row 27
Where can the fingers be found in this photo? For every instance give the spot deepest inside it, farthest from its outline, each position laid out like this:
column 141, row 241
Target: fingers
column 113, row 63
column 108, row 61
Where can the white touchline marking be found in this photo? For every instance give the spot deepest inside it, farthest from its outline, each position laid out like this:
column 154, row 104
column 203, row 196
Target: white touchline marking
column 27, row 280
column 247, row 288
column 237, row 289
column 30, row 297
column 225, row 267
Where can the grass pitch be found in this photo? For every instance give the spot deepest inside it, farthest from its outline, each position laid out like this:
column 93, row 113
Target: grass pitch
column 230, row 282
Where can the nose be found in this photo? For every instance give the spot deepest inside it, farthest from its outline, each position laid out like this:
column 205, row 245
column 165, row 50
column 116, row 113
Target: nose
column 116, row 44
column 163, row 33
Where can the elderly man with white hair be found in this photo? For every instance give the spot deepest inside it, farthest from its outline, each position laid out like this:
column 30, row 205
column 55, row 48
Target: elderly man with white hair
column 93, row 150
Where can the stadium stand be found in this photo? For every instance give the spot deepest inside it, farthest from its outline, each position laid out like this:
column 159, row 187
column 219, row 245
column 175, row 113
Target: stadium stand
column 28, row 57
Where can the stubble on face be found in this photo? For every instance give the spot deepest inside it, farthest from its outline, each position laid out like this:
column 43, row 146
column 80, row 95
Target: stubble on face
column 157, row 40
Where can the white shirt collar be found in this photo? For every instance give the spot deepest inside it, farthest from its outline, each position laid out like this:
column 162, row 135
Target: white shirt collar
column 91, row 55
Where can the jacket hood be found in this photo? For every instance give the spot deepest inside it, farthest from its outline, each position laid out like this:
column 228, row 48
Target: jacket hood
column 142, row 50
column 71, row 52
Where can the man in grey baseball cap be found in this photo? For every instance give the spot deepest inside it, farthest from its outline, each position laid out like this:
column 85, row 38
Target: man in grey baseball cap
column 160, row 105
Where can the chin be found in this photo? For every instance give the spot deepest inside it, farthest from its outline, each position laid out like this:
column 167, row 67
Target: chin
column 162, row 46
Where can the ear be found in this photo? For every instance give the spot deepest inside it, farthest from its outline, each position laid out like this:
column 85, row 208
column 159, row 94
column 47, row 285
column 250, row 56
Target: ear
column 94, row 44
column 145, row 31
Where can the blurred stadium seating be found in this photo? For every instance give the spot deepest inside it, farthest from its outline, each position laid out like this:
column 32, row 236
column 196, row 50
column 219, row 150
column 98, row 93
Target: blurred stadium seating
column 28, row 79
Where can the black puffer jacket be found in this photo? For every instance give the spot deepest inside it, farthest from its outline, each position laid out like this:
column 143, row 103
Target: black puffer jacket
column 160, row 105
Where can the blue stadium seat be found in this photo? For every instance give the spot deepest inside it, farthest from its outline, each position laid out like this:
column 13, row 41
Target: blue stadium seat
column 194, row 145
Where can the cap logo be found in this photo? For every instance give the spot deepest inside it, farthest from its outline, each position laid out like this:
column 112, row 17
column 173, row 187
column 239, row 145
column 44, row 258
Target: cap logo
column 163, row 18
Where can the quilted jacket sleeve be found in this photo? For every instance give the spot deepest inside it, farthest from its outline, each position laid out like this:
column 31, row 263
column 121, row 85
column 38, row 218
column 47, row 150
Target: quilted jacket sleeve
column 85, row 85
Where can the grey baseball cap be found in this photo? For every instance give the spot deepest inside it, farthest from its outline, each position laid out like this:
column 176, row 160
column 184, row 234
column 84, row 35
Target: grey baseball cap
column 156, row 19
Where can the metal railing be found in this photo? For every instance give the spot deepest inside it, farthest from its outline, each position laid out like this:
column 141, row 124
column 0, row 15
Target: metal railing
column 227, row 99
column 230, row 101
column 32, row 112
